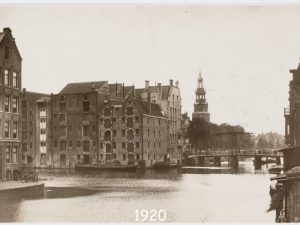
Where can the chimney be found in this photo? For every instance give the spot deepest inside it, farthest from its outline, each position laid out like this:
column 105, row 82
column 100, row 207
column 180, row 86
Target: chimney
column 123, row 91
column 116, row 89
column 133, row 91
column 7, row 30
column 171, row 83
column 177, row 83
column 149, row 102
column 146, row 84
column 159, row 90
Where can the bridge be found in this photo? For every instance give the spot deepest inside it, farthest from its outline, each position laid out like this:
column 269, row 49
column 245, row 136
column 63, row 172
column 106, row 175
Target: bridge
column 246, row 153
column 233, row 156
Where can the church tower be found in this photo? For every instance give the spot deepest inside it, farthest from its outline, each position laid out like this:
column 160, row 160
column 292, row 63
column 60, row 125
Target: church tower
column 201, row 106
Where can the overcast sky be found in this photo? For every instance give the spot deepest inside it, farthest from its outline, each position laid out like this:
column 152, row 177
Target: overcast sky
column 244, row 53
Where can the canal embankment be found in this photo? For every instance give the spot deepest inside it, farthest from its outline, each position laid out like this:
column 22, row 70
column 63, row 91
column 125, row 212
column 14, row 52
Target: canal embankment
column 18, row 189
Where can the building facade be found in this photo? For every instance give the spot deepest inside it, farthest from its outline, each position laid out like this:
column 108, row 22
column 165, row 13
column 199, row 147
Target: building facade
column 36, row 132
column 169, row 100
column 201, row 105
column 10, row 95
column 132, row 131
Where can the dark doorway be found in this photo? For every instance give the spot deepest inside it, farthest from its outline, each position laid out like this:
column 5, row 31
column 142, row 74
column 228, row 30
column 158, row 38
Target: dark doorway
column 63, row 160
column 86, row 159
column 130, row 159
column 29, row 160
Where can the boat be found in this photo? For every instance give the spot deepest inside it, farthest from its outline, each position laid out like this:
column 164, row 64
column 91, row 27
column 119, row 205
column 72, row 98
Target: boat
column 108, row 166
column 276, row 169
column 162, row 165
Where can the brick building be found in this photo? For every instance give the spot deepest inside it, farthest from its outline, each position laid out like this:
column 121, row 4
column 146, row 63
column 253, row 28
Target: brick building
column 10, row 94
column 169, row 100
column 36, row 132
column 132, row 130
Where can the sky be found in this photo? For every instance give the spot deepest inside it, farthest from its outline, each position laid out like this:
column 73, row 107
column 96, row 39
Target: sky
column 244, row 52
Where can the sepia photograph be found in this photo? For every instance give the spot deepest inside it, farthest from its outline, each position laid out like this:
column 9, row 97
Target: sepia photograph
column 149, row 113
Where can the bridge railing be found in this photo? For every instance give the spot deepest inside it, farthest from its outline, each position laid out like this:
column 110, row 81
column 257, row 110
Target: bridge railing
column 240, row 153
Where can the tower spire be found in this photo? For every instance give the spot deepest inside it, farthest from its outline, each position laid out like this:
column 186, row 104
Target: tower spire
column 201, row 106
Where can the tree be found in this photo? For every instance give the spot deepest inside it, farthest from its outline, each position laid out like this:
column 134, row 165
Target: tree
column 198, row 133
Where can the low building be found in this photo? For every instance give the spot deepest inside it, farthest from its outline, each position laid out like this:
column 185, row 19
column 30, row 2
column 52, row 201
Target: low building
column 36, row 132
column 132, row 131
column 10, row 95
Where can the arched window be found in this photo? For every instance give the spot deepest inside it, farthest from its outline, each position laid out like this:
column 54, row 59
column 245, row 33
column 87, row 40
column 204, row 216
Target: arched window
column 107, row 135
column 130, row 147
column 129, row 122
column 107, row 112
column 129, row 111
column 107, row 123
column 130, row 135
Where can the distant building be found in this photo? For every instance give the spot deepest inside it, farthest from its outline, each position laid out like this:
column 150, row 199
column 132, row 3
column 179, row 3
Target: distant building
column 36, row 132
column 201, row 106
column 10, row 95
column 169, row 99
column 132, row 130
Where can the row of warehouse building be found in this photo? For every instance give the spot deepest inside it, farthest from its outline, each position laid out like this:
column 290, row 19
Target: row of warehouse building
column 85, row 123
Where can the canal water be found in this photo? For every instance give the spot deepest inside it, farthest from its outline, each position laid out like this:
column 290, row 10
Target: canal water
column 241, row 196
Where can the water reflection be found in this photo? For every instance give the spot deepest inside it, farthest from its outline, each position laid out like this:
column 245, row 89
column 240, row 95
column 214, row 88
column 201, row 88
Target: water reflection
column 113, row 197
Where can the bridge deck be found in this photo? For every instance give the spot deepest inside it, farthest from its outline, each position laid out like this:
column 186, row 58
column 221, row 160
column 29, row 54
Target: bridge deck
column 247, row 153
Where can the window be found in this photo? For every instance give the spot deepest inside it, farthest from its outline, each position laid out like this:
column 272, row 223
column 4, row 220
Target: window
column 7, row 155
column 86, row 146
column 159, row 122
column 137, row 132
column 6, row 129
column 70, row 143
column 15, row 104
column 86, row 106
column 43, row 144
column 124, row 156
column 70, row 129
column 55, row 143
column 123, row 145
column 63, row 131
column 43, row 120
column 148, row 133
column 15, row 129
column 159, row 144
column 6, row 78
column 123, row 132
column 15, row 81
column 153, row 144
column 15, row 155
column 159, row 133
column 62, row 145
column 114, row 133
column 123, row 119
column 62, row 117
column 137, row 144
column 85, row 130
column 114, row 120
column 6, row 104
column 94, row 143
column 136, row 119
column 148, row 144
column 62, row 107
column 78, row 143
column 101, row 145
column 6, row 52
column 114, row 145
column 137, row 156
column 115, row 156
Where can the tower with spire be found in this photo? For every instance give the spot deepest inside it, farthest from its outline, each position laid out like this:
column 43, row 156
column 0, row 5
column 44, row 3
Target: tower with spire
column 201, row 106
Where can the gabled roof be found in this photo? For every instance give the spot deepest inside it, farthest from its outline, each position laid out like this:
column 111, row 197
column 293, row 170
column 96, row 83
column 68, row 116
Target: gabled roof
column 112, row 90
column 82, row 87
column 164, row 89
column 34, row 96
column 144, row 106
column 7, row 30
